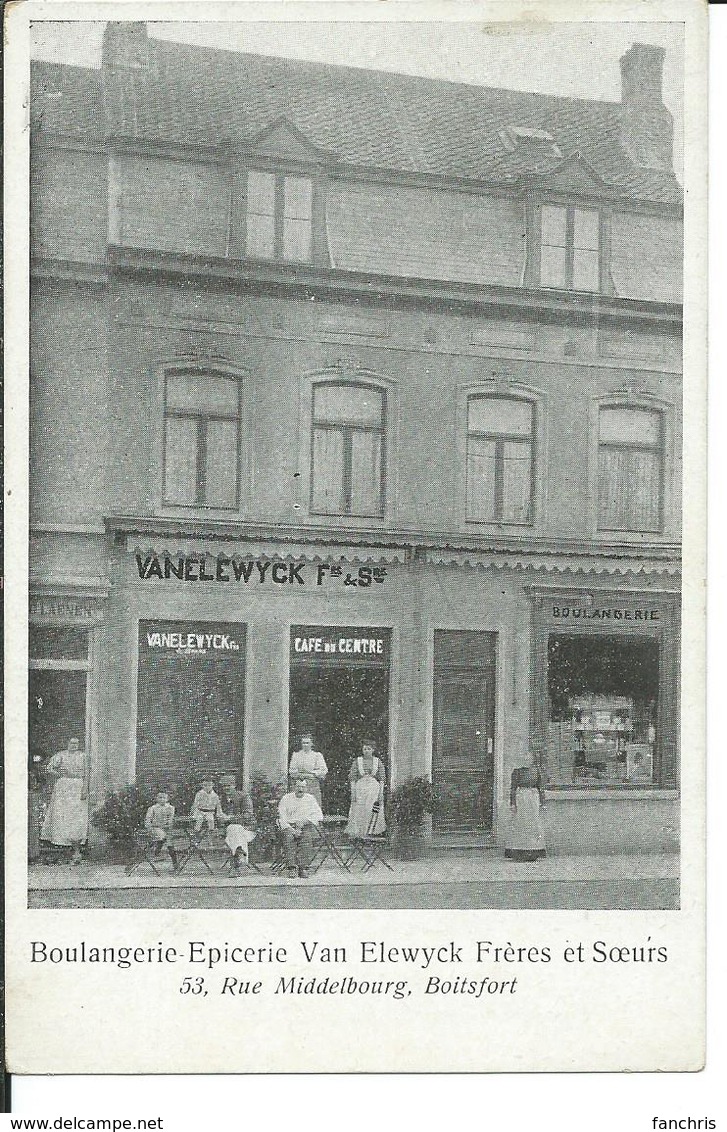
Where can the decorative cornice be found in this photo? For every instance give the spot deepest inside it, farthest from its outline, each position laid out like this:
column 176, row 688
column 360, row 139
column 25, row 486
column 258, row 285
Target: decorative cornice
column 70, row 271
column 311, row 281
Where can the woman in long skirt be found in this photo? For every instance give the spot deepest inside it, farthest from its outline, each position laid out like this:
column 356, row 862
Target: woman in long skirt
column 367, row 779
column 66, row 821
column 526, row 835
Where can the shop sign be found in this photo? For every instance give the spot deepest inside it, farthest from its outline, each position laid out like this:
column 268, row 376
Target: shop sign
column 69, row 610
column 254, row 572
column 186, row 640
column 343, row 644
column 561, row 612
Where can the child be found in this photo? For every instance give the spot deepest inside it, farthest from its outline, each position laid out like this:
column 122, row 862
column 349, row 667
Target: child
column 159, row 822
column 205, row 807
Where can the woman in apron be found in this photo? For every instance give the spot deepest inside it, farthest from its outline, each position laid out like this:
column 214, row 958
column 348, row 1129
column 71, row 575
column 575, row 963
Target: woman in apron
column 526, row 836
column 367, row 779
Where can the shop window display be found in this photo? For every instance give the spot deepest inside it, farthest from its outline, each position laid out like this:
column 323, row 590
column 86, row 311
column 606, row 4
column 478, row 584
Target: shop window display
column 602, row 728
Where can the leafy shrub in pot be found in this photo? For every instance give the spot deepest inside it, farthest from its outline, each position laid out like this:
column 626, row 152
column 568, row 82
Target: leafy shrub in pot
column 410, row 803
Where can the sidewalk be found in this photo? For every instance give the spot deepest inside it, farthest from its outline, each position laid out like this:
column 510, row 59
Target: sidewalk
column 477, row 868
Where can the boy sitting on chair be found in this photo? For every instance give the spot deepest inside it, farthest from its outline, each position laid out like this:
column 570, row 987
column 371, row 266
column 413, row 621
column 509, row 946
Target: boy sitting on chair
column 299, row 816
column 159, row 823
column 205, row 808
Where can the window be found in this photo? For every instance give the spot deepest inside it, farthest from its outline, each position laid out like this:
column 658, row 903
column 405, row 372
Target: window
column 279, row 217
column 499, row 460
column 347, row 458
column 201, row 440
column 57, row 689
column 603, row 710
column 570, row 247
column 630, row 462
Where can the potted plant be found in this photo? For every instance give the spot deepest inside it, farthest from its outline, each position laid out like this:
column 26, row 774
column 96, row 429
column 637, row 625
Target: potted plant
column 122, row 813
column 265, row 797
column 410, row 803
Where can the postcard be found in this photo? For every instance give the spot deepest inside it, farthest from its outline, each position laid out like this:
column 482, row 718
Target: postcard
column 356, row 367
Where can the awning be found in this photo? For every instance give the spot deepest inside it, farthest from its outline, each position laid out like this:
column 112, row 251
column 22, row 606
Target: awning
column 273, row 551
column 554, row 564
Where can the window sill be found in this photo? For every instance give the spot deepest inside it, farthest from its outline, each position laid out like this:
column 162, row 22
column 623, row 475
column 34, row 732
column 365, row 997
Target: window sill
column 499, row 524
column 609, row 793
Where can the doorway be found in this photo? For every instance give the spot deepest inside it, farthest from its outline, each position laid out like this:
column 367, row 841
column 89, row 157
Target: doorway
column 463, row 768
column 342, row 698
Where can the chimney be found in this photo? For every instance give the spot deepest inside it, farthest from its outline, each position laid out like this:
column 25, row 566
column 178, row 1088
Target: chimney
column 125, row 44
column 647, row 130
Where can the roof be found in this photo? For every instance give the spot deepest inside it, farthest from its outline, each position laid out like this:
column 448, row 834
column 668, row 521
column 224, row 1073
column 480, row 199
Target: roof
column 192, row 95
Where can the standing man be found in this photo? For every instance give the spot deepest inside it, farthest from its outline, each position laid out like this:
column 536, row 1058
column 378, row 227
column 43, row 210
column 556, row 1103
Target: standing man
column 299, row 816
column 66, row 822
column 310, row 763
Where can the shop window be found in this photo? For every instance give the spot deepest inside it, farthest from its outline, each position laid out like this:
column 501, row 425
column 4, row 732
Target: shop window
column 201, row 440
column 499, row 460
column 347, row 454
column 569, row 247
column 279, row 217
column 190, row 701
column 603, row 695
column 630, row 469
column 57, row 689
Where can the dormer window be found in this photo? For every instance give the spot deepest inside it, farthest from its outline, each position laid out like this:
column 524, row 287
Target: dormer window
column 279, row 217
column 569, row 247
column 519, row 137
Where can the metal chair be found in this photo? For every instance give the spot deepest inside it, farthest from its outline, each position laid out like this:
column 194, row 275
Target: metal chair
column 228, row 865
column 147, row 853
column 372, row 847
column 199, row 847
column 325, row 848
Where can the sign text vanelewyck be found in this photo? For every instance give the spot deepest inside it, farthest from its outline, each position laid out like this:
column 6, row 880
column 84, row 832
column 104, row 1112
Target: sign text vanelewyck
column 253, row 571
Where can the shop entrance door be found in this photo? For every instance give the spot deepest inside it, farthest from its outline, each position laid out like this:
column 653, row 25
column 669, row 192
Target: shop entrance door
column 342, row 698
column 464, row 727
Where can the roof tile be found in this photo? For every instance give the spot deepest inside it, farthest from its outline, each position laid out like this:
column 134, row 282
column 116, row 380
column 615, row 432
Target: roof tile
column 192, row 95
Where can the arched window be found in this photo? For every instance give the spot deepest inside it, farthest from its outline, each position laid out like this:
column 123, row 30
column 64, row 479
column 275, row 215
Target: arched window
column 201, row 439
column 347, row 450
column 630, row 468
column 499, row 459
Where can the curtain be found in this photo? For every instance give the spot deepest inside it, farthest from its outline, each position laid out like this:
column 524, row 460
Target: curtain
column 327, row 471
column 481, row 463
column 221, row 470
column 516, row 481
column 180, row 460
column 366, row 482
column 629, row 495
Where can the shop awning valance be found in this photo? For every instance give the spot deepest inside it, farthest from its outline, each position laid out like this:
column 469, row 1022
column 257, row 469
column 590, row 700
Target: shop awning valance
column 274, row 551
column 555, row 564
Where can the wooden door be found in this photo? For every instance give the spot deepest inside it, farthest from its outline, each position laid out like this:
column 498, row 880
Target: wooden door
column 462, row 756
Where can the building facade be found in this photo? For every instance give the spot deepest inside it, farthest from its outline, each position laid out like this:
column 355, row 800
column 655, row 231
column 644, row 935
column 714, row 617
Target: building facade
column 356, row 406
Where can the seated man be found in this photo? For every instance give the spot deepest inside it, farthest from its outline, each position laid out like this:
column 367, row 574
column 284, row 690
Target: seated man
column 299, row 815
column 240, row 818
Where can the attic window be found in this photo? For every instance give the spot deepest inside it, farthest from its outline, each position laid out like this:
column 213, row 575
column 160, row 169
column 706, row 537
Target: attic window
column 279, row 216
column 524, row 138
